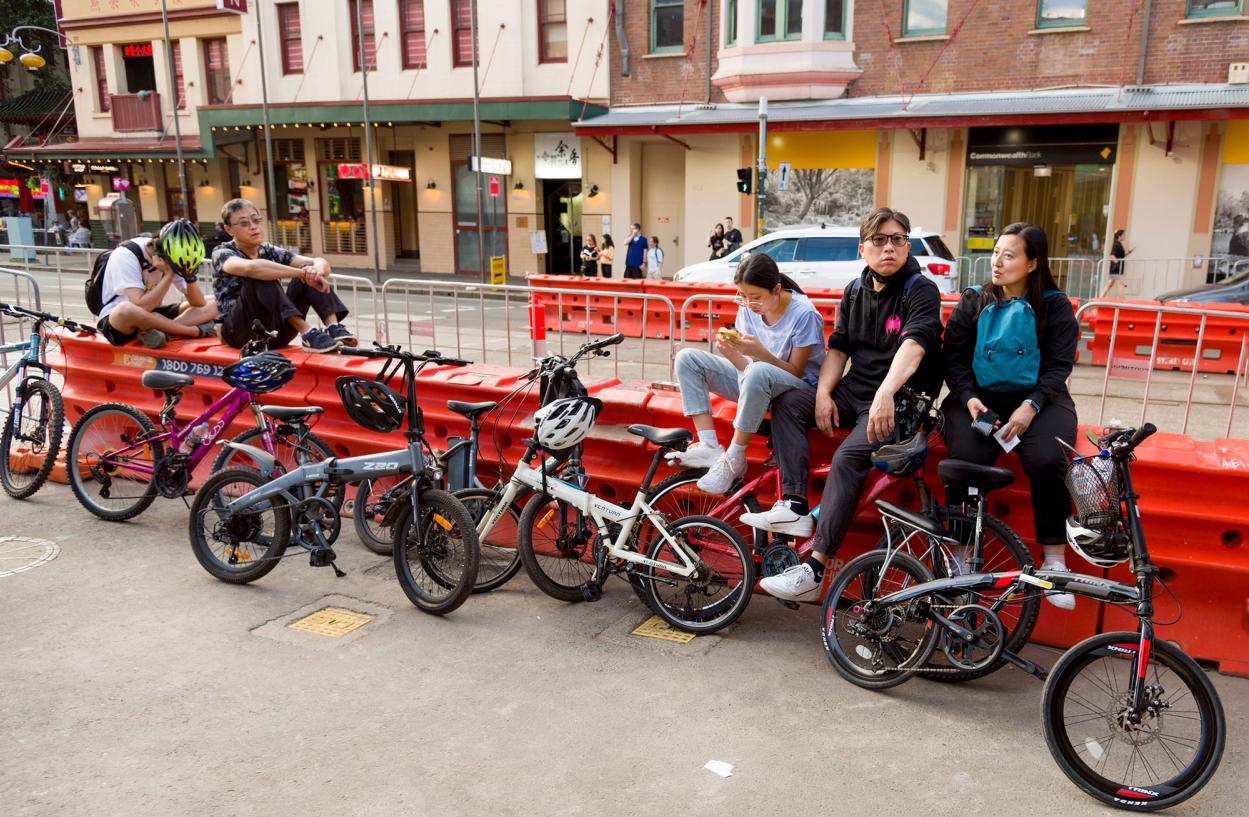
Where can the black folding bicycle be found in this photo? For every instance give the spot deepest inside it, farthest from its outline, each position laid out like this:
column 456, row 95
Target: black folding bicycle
column 1130, row 718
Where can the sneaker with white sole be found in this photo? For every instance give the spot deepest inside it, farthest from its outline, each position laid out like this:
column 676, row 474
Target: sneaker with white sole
column 319, row 341
column 341, row 334
column 723, row 473
column 698, row 455
column 1063, row 601
column 781, row 518
column 153, row 338
column 795, row 584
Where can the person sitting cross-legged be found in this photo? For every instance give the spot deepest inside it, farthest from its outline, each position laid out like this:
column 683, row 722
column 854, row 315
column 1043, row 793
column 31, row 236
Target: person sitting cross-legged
column 247, row 279
column 137, row 278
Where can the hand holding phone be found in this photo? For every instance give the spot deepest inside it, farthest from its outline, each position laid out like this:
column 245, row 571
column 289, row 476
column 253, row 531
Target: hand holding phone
column 985, row 422
column 728, row 333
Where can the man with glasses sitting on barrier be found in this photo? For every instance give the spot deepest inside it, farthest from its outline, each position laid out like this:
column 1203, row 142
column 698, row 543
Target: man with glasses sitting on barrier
column 889, row 330
column 247, row 276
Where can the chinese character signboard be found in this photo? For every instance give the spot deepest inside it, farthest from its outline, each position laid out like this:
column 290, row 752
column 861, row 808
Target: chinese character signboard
column 556, row 156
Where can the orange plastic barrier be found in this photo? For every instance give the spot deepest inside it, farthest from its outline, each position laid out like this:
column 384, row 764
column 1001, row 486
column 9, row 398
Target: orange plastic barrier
column 1192, row 493
column 1221, row 343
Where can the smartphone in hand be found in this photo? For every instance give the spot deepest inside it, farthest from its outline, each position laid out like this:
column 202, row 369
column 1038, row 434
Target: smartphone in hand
column 985, row 422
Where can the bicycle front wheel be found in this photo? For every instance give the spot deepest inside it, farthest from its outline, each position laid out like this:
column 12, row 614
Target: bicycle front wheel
column 556, row 545
column 373, row 501
column 500, row 557
column 31, row 439
column 717, row 593
column 291, row 452
column 1144, row 760
column 436, row 557
column 872, row 644
column 238, row 548
column 111, row 467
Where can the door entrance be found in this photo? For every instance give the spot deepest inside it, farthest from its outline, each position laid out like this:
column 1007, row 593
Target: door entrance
column 562, row 213
column 494, row 216
column 402, row 196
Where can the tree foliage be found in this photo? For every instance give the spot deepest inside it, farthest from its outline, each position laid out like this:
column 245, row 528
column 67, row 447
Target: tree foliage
column 14, row 13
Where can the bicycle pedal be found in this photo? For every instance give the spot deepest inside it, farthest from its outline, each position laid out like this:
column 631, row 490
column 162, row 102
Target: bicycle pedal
column 591, row 591
column 323, row 557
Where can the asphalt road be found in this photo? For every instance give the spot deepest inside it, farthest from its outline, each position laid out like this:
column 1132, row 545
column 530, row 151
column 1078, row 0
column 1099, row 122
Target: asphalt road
column 134, row 683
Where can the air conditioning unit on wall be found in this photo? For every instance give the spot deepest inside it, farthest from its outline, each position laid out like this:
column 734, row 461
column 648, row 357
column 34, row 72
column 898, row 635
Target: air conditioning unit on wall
column 1238, row 73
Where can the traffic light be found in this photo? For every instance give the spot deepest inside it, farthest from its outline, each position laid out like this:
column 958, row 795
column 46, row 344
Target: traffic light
column 743, row 180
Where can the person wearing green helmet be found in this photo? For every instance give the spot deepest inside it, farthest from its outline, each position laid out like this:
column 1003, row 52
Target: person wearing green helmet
column 137, row 279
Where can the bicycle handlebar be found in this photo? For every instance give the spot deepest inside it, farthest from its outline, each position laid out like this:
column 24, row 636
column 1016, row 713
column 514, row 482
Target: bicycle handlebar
column 1142, row 434
column 395, row 353
column 24, row 312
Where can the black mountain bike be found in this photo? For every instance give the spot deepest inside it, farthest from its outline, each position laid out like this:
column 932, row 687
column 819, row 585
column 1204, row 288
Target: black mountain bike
column 1130, row 718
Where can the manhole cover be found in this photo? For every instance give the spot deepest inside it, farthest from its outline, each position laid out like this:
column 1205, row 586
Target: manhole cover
column 656, row 627
column 21, row 553
column 333, row 622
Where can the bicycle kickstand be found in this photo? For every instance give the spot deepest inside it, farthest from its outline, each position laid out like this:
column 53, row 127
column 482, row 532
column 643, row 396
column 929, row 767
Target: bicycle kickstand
column 592, row 590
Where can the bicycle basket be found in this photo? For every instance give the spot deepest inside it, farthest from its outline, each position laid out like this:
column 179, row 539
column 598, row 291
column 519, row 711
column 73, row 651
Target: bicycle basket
column 1094, row 487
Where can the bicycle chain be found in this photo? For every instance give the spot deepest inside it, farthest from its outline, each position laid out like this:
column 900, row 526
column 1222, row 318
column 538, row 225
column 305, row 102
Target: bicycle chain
column 928, row 668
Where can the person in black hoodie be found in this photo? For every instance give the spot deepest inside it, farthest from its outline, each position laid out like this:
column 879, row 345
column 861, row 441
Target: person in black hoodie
column 889, row 330
column 1033, row 414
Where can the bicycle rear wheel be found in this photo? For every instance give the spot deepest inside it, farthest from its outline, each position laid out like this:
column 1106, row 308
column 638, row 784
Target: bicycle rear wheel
column 105, row 459
column 248, row 544
column 1144, row 761
column 436, row 558
column 875, row 645
column 556, row 545
column 500, row 556
column 717, row 593
column 676, row 497
column 31, row 438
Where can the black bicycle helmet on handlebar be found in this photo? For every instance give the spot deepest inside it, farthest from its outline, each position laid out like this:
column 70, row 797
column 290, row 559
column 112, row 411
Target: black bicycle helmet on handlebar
column 260, row 374
column 373, row 405
column 904, row 458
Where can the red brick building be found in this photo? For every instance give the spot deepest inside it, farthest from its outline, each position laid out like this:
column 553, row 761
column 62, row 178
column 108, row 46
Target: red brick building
column 1083, row 116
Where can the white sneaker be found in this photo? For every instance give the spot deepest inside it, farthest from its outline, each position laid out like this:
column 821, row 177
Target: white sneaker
column 1063, row 601
column 780, row 519
column 698, row 455
column 722, row 474
column 795, row 584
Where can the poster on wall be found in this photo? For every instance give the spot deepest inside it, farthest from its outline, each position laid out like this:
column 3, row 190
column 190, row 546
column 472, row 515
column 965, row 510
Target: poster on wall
column 820, row 179
column 556, row 156
column 1231, row 215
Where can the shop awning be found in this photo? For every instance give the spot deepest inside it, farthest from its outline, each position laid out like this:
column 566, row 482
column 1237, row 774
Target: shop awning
column 1157, row 103
column 402, row 111
column 157, row 147
column 35, row 106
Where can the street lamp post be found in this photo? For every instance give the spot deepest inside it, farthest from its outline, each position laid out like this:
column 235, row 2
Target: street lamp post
column 368, row 140
column 177, row 126
column 270, row 186
column 481, row 236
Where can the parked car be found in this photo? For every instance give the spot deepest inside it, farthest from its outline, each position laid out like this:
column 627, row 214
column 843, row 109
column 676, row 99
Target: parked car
column 825, row 257
column 1231, row 290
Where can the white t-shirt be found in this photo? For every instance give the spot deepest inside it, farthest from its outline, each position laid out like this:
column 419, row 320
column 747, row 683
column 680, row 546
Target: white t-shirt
column 123, row 272
column 800, row 325
column 654, row 259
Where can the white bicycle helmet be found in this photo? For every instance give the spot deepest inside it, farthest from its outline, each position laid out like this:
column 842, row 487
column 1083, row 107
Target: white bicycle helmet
column 1094, row 546
column 563, row 423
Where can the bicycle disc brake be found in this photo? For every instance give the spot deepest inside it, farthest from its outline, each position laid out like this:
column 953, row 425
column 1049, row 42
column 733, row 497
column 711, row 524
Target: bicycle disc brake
column 988, row 638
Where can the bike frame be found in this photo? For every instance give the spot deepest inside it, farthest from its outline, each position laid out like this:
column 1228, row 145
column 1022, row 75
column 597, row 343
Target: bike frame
column 32, row 357
column 231, row 404
column 603, row 512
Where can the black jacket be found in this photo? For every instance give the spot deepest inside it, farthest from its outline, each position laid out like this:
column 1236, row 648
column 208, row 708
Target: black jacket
column 1058, row 338
column 873, row 325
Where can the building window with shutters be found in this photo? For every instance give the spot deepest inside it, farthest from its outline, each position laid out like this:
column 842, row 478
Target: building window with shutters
column 552, row 31
column 412, row 32
column 289, row 33
column 217, row 71
column 370, row 42
column 461, row 33
column 667, row 26
column 179, row 84
column 102, row 101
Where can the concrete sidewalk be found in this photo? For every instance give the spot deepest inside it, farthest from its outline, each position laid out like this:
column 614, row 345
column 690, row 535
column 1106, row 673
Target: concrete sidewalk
column 135, row 684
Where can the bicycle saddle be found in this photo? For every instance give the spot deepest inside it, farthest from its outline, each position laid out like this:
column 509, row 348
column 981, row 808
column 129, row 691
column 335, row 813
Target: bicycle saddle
column 165, row 381
column 666, row 437
column 290, row 412
column 470, row 410
column 910, row 518
column 984, row 477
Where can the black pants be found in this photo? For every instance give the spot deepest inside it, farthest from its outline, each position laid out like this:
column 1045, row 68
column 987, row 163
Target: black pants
column 1044, row 463
column 605, row 269
column 793, row 413
column 634, row 272
column 272, row 304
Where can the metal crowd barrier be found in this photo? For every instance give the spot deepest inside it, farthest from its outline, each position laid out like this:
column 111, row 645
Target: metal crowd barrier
column 398, row 296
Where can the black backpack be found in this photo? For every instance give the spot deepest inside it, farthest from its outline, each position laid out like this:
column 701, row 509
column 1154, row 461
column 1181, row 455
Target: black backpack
column 95, row 279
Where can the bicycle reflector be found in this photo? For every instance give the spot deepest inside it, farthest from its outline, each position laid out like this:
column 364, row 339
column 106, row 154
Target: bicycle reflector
column 371, row 404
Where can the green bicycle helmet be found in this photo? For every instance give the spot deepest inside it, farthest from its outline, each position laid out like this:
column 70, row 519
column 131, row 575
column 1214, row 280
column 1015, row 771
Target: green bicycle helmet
column 180, row 245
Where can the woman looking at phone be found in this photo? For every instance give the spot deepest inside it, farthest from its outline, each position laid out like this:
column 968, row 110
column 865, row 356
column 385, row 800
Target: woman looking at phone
column 1009, row 348
column 775, row 344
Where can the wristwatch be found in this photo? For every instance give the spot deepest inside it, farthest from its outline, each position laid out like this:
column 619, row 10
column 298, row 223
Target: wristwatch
column 1035, row 405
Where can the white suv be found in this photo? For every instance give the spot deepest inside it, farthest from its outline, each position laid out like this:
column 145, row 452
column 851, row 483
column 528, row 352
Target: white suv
column 825, row 257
